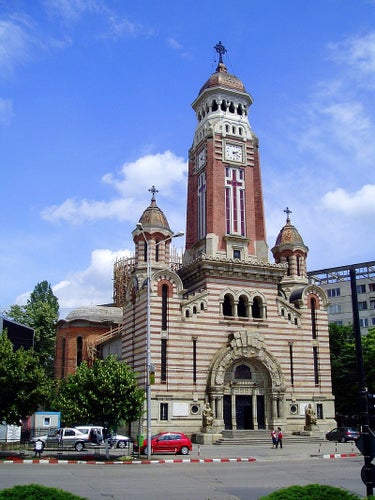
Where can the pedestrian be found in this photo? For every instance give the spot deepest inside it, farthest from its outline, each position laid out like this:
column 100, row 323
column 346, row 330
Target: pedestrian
column 273, row 437
column 38, row 448
column 279, row 438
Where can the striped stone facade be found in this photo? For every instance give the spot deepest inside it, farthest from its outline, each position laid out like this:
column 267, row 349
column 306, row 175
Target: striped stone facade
column 228, row 328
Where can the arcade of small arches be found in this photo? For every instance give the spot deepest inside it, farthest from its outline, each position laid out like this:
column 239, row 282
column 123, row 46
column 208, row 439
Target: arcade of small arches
column 194, row 309
column 225, row 105
column 243, row 306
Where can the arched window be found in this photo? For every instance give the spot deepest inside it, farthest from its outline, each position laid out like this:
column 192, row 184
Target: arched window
column 79, row 350
column 256, row 308
column 231, row 107
column 214, row 105
column 313, row 317
column 202, row 306
column 242, row 372
column 239, row 109
column 164, row 307
column 194, row 309
column 187, row 313
column 157, row 251
column 298, row 266
column 242, row 307
column 145, row 248
column 223, row 105
column 228, row 305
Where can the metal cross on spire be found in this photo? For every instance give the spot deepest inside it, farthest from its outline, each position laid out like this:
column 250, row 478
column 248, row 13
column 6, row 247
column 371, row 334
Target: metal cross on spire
column 287, row 211
column 153, row 190
column 220, row 49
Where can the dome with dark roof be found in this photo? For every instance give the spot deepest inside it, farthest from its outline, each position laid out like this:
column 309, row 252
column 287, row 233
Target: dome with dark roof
column 154, row 218
column 223, row 79
column 96, row 314
column 289, row 236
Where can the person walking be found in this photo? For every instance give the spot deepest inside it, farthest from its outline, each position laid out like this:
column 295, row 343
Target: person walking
column 274, row 437
column 279, row 437
column 38, row 448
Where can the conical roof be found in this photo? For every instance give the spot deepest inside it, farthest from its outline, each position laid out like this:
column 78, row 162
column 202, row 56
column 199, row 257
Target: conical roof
column 221, row 78
column 153, row 217
column 289, row 236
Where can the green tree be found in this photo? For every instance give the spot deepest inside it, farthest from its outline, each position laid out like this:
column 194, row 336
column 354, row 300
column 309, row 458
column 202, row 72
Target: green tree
column 106, row 393
column 368, row 350
column 40, row 313
column 23, row 383
column 345, row 383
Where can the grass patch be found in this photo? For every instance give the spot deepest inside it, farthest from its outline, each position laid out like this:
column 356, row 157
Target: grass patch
column 36, row 492
column 311, row 492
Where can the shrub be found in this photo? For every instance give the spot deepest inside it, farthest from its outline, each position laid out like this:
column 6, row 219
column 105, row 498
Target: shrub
column 36, row 492
column 311, row 492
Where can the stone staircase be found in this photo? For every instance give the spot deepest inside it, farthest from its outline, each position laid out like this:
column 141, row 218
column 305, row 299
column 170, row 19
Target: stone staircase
column 261, row 438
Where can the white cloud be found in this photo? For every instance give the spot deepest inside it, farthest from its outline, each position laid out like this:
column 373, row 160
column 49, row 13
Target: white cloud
column 174, row 44
column 15, row 43
column 358, row 53
column 359, row 203
column 164, row 170
column 91, row 286
column 70, row 10
column 6, row 111
column 79, row 211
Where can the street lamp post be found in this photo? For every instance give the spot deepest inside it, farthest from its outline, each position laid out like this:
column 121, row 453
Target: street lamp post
column 148, row 330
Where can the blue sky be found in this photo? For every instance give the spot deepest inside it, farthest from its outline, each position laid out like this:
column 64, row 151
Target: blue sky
column 95, row 108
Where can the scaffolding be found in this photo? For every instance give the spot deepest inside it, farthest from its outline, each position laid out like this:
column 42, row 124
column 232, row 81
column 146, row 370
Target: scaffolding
column 122, row 271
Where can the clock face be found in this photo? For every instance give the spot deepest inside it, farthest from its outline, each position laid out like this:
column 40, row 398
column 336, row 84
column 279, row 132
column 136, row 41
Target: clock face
column 201, row 158
column 233, row 152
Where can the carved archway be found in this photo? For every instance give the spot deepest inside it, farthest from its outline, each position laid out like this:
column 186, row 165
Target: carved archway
column 258, row 397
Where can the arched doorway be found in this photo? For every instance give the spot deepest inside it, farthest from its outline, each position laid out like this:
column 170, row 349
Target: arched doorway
column 246, row 389
column 244, row 384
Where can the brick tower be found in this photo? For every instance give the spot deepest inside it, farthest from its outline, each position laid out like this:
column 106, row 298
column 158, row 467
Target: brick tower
column 225, row 215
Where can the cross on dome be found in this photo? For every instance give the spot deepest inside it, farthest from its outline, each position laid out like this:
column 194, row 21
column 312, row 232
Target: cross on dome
column 221, row 50
column 287, row 211
column 153, row 190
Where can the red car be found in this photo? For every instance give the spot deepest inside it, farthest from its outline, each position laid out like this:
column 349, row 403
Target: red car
column 169, row 442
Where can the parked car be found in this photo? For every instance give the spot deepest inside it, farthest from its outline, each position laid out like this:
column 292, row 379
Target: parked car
column 343, row 434
column 65, row 437
column 96, row 436
column 169, row 442
column 93, row 433
column 120, row 441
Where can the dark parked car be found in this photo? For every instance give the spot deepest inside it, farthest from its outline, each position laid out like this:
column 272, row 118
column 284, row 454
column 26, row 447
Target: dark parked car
column 343, row 434
column 169, row 442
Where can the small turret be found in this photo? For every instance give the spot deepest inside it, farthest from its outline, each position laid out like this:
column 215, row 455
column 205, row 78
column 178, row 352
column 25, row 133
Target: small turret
column 290, row 248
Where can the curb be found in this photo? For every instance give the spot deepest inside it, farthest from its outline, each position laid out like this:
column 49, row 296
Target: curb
column 342, row 455
column 130, row 462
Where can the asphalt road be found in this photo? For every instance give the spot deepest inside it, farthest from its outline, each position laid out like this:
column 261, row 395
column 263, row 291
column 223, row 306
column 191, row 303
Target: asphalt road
column 273, row 469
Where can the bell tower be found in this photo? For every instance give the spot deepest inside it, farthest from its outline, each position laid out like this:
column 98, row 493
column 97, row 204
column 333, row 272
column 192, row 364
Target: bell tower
column 225, row 215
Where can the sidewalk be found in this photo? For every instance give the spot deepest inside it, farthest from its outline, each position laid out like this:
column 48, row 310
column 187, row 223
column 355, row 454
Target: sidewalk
column 200, row 454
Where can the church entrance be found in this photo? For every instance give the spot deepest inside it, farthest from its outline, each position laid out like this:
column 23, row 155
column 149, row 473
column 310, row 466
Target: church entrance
column 244, row 413
column 241, row 387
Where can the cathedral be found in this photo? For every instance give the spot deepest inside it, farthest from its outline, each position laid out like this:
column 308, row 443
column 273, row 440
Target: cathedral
column 222, row 328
